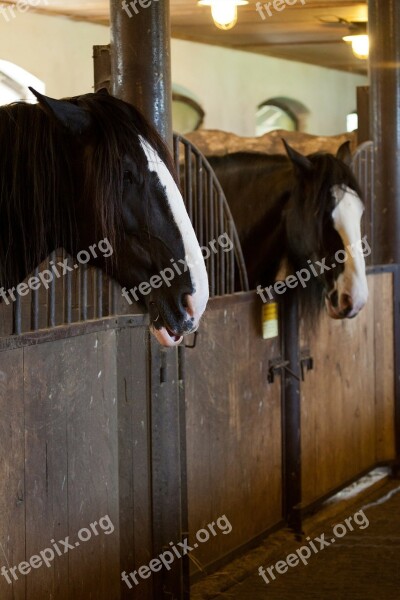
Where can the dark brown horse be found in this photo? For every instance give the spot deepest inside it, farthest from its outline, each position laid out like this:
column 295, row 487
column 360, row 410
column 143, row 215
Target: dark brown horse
column 299, row 216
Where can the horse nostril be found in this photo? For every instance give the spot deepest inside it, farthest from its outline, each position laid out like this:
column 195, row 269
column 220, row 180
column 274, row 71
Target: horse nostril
column 334, row 299
column 187, row 302
column 346, row 301
column 346, row 304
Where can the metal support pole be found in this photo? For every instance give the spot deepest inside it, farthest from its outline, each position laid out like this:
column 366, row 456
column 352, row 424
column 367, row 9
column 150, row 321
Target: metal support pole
column 141, row 60
column 384, row 32
column 291, row 414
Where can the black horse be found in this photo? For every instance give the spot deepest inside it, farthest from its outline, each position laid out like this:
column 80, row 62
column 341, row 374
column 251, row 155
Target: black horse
column 80, row 170
column 298, row 218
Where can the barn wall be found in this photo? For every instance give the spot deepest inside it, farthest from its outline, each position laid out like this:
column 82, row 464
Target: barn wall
column 229, row 84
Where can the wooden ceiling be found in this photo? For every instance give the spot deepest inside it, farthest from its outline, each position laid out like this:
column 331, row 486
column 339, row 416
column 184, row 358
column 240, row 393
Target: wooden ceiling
column 295, row 33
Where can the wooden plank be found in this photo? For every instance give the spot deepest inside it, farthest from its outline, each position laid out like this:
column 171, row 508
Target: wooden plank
column 12, row 493
column 71, row 464
column 93, row 470
column 384, row 367
column 136, row 545
column 233, row 428
column 166, row 444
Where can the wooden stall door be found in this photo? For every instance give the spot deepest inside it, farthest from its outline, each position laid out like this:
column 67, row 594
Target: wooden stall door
column 233, row 428
column 348, row 400
column 74, row 447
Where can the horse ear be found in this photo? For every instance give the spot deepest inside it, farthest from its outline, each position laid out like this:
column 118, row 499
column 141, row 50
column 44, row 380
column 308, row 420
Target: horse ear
column 73, row 118
column 299, row 161
column 344, row 153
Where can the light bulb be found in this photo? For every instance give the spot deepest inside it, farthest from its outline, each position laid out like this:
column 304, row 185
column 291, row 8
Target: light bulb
column 224, row 13
column 359, row 44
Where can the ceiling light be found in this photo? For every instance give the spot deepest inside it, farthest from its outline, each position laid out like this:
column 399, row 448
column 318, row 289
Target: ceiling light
column 359, row 40
column 224, row 12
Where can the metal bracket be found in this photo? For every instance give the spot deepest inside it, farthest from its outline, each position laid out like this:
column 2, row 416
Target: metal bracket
column 193, row 345
column 306, row 362
column 277, row 365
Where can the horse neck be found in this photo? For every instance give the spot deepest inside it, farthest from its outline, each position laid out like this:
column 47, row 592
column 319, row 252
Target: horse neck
column 259, row 197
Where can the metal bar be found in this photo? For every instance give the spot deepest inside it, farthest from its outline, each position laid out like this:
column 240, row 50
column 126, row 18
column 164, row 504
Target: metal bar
column 35, row 305
column 68, row 294
column 221, row 230
column 199, row 199
column 83, row 293
column 210, row 233
column 51, row 295
column 102, row 68
column 384, row 31
column 231, row 280
column 188, row 182
column 99, row 293
column 17, row 316
column 177, row 146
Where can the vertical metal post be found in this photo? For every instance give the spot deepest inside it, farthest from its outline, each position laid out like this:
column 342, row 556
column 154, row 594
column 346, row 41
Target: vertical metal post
column 141, row 60
column 384, row 32
column 291, row 414
column 102, row 68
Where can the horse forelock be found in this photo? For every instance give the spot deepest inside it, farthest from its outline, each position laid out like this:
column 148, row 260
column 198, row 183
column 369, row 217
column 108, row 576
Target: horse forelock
column 329, row 173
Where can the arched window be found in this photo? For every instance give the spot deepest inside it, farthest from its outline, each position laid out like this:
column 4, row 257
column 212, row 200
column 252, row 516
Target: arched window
column 14, row 82
column 187, row 114
column 352, row 121
column 280, row 113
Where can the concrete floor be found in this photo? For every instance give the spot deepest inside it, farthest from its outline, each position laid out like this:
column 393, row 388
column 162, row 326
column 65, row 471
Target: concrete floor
column 363, row 564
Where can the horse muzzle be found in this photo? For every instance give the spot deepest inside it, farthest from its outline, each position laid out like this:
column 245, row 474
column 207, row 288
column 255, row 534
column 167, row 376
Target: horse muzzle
column 343, row 305
column 169, row 326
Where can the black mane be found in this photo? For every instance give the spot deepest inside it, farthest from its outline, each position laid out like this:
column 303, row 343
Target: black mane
column 37, row 188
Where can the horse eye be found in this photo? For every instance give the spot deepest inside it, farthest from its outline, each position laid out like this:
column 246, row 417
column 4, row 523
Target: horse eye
column 128, row 177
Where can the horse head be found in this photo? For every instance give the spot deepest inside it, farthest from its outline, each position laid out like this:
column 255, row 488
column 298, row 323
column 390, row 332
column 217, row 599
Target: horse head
column 125, row 190
column 324, row 228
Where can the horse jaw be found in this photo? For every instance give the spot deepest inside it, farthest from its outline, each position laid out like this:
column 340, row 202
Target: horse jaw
column 352, row 282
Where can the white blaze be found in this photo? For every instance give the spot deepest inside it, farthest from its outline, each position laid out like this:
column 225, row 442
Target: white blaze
column 347, row 222
column 193, row 255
